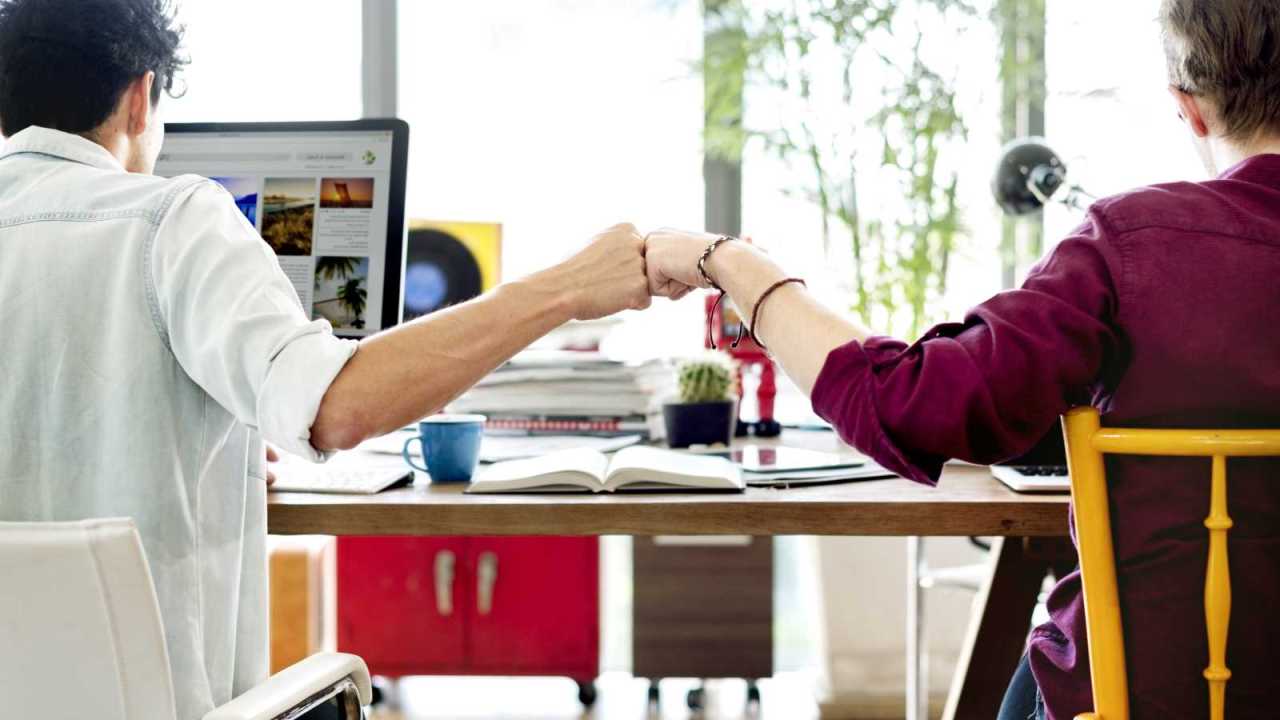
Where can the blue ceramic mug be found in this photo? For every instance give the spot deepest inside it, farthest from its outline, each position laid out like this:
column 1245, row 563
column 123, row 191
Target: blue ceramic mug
column 450, row 446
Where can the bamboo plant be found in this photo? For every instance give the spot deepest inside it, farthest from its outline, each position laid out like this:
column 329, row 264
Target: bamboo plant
column 805, row 51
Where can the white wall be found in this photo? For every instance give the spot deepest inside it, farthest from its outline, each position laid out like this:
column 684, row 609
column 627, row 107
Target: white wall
column 266, row 61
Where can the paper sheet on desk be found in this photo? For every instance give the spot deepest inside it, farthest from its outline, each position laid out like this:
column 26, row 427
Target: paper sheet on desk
column 499, row 448
column 869, row 471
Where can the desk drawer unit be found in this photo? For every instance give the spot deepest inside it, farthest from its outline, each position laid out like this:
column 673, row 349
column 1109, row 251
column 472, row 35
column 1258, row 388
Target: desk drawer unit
column 703, row 608
column 472, row 605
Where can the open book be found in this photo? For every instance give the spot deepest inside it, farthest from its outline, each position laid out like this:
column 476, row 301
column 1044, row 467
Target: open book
column 635, row 468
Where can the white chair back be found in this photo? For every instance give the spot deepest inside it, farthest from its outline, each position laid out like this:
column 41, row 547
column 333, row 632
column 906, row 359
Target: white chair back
column 80, row 628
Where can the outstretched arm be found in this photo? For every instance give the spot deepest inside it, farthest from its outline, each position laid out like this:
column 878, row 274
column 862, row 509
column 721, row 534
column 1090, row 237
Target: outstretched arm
column 982, row 390
column 398, row 376
column 233, row 322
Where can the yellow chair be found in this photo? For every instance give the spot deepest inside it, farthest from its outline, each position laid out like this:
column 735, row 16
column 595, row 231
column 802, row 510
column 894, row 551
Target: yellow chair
column 1087, row 442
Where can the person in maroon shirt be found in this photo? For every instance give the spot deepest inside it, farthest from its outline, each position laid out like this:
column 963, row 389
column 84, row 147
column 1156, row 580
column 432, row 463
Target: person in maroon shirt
column 1161, row 310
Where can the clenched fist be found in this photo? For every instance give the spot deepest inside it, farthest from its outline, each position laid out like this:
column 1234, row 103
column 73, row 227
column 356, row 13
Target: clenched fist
column 672, row 261
column 608, row 276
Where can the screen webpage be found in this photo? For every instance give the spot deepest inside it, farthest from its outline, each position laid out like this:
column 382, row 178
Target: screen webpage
column 319, row 199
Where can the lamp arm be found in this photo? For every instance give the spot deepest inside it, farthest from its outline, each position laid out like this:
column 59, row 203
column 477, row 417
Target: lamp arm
column 1073, row 197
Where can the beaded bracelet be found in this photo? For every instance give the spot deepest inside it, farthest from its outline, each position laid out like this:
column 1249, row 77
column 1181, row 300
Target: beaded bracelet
column 706, row 278
column 702, row 261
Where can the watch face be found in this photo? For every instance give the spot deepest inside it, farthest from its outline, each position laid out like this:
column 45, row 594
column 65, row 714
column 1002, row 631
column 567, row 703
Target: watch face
column 439, row 271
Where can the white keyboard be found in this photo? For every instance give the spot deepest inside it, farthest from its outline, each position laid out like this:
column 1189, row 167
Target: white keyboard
column 339, row 480
column 1034, row 478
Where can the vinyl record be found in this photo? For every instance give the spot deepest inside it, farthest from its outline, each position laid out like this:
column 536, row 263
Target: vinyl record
column 439, row 271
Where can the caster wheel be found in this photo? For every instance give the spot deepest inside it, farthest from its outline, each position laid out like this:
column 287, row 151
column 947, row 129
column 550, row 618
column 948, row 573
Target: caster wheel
column 386, row 693
column 753, row 693
column 742, row 429
column 768, row 428
column 655, row 696
column 697, row 699
column 587, row 694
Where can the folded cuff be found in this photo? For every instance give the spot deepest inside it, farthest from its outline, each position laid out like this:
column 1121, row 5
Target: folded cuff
column 845, row 396
column 296, row 382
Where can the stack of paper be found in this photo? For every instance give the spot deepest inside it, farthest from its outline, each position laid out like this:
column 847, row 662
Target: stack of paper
column 568, row 392
column 503, row 447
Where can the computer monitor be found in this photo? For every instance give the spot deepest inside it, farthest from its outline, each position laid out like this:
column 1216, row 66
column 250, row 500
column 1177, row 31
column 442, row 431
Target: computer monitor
column 328, row 197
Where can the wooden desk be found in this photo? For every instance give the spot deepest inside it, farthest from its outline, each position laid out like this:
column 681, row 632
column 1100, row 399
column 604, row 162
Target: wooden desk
column 967, row 501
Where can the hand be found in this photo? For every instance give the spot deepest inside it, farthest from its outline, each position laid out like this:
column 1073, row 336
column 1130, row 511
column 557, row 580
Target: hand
column 272, row 457
column 672, row 258
column 608, row 276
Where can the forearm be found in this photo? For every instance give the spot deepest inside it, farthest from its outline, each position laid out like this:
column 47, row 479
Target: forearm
column 411, row 371
column 798, row 330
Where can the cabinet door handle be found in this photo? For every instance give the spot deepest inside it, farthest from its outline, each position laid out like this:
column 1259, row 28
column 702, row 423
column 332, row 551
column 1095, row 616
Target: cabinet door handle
column 486, row 578
column 444, row 582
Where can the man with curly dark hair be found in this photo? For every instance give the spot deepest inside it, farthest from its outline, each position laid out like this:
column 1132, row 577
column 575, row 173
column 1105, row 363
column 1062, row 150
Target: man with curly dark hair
column 65, row 63
column 152, row 341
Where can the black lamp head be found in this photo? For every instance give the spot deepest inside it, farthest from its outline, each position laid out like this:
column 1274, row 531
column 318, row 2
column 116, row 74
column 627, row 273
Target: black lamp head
column 1028, row 174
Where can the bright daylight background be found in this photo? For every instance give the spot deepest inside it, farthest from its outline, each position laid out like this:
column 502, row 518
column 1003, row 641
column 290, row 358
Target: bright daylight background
column 560, row 117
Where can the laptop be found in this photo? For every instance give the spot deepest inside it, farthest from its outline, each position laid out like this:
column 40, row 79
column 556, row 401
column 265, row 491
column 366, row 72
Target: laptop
column 327, row 197
column 1043, row 468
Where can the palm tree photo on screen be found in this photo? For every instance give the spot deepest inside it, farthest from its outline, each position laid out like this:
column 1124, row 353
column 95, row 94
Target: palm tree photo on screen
column 341, row 291
column 352, row 296
column 333, row 268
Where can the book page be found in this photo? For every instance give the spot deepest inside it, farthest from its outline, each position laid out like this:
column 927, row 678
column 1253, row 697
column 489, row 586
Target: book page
column 581, row 467
column 646, row 464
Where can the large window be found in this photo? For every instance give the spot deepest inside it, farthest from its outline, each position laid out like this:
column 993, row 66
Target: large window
column 556, row 118
column 780, row 199
column 279, row 60
column 1108, row 111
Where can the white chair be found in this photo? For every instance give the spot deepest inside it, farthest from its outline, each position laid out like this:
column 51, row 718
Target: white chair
column 81, row 636
column 921, row 577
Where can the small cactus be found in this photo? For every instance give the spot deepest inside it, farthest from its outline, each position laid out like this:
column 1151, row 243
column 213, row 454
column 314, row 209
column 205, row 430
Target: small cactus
column 706, row 380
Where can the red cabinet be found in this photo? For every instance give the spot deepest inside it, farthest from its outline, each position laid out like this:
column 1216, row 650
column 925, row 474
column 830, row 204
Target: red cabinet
column 544, row 613
column 400, row 604
column 473, row 605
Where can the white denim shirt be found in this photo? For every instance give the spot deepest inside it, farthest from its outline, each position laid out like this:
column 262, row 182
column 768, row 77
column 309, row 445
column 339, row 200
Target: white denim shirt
column 150, row 343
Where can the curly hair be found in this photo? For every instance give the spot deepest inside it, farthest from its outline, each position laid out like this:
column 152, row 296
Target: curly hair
column 1229, row 52
column 65, row 63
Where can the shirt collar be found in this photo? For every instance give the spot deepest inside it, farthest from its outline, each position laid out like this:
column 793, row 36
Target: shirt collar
column 60, row 144
column 1261, row 169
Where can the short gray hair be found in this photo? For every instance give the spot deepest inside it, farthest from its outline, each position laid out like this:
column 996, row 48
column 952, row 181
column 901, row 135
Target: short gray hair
column 1229, row 52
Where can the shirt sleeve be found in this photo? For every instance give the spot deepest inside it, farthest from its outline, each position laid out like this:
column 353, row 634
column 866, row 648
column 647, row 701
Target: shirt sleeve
column 234, row 322
column 988, row 388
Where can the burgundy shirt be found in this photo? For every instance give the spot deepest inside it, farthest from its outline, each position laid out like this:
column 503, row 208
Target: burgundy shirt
column 1161, row 310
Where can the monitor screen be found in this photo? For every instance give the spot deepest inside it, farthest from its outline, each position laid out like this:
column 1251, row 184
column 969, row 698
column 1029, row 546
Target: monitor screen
column 327, row 197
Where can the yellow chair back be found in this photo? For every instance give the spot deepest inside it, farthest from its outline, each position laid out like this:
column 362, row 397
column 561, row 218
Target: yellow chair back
column 1087, row 442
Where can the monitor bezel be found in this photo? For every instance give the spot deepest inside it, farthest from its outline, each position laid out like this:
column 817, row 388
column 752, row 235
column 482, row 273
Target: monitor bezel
column 393, row 272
